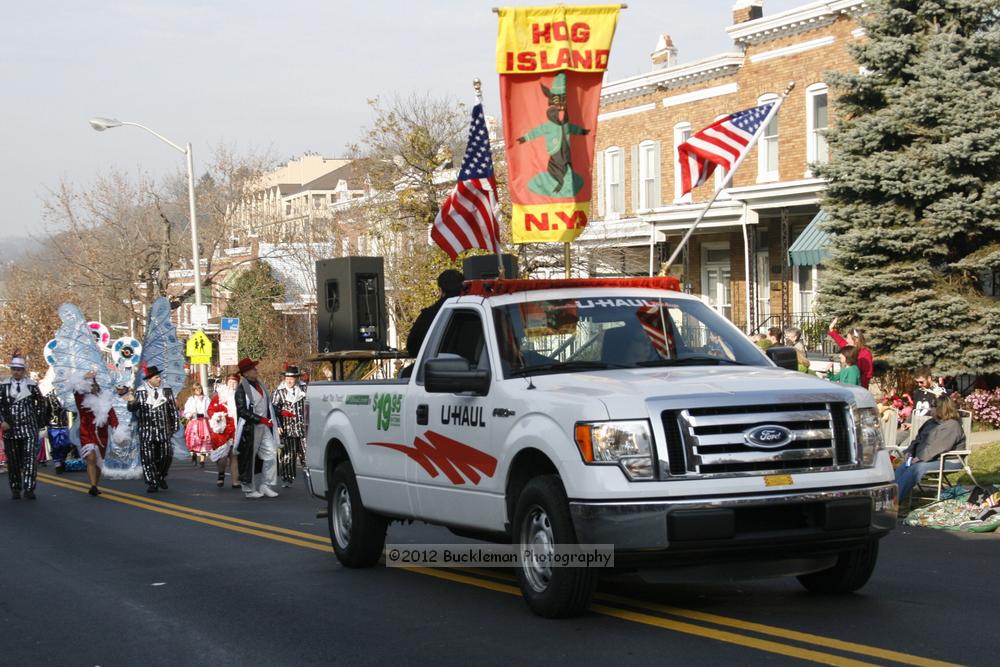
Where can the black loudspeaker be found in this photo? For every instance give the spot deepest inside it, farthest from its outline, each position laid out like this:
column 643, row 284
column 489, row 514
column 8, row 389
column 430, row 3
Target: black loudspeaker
column 350, row 304
column 484, row 267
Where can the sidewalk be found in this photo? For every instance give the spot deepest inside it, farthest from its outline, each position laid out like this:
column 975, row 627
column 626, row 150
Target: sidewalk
column 980, row 438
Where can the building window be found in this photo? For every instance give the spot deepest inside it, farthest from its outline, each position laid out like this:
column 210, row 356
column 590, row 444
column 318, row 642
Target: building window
column 614, row 170
column 807, row 278
column 716, row 277
column 817, row 121
column 767, row 147
column 682, row 132
column 649, row 174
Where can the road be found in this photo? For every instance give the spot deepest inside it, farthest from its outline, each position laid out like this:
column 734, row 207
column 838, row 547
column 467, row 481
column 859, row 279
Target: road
column 197, row 575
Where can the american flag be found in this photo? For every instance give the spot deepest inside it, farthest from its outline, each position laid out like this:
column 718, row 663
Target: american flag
column 467, row 218
column 720, row 144
column 655, row 324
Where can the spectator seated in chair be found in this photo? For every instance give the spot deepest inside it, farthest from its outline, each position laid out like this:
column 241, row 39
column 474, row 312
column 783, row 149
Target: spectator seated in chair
column 941, row 434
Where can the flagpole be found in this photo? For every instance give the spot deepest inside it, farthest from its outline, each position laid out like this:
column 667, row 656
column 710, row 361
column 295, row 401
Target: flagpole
column 477, row 85
column 729, row 177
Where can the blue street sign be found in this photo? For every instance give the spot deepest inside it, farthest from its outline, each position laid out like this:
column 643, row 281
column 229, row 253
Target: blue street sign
column 230, row 324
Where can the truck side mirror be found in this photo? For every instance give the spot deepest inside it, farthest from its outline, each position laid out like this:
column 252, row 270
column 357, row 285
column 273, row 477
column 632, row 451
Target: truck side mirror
column 452, row 374
column 783, row 357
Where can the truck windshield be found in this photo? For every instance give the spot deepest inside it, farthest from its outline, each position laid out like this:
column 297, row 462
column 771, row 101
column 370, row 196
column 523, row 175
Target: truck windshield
column 593, row 333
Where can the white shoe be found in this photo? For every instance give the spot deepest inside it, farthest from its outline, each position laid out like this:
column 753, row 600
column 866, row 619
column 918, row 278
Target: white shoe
column 250, row 495
column 268, row 491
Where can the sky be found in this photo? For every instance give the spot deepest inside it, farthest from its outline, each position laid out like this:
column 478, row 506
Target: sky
column 278, row 77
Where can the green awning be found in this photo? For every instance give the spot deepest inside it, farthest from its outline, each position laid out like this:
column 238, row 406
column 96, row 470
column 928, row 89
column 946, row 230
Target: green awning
column 811, row 246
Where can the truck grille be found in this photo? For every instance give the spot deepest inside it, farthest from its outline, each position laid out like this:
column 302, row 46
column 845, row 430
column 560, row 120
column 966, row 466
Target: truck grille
column 713, row 440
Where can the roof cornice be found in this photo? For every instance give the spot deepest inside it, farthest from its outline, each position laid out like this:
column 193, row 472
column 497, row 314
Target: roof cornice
column 672, row 77
column 806, row 17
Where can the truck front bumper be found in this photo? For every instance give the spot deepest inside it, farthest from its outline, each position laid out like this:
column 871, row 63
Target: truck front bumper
column 813, row 522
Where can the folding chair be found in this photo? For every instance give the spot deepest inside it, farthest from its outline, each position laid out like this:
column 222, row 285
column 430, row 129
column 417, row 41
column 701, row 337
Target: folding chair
column 955, row 461
column 890, row 426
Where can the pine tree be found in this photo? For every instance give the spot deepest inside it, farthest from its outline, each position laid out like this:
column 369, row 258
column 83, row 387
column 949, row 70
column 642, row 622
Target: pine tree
column 914, row 198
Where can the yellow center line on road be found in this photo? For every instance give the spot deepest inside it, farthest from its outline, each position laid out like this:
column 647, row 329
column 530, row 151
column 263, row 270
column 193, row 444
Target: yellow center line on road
column 668, row 624
column 109, row 493
column 726, row 621
column 124, row 499
column 474, row 578
column 804, row 637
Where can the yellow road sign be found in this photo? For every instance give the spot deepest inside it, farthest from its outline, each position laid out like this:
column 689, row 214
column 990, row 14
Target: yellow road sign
column 199, row 348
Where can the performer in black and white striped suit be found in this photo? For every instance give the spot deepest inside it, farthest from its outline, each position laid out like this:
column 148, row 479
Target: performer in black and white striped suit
column 24, row 412
column 289, row 407
column 156, row 414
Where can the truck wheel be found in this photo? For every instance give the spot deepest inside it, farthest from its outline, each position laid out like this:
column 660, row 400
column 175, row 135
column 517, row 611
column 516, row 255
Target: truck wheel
column 542, row 520
column 358, row 536
column 851, row 571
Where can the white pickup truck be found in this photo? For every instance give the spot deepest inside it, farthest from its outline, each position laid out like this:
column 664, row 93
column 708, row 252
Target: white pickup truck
column 606, row 411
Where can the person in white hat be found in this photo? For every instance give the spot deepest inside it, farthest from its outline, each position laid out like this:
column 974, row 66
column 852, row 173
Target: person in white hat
column 23, row 413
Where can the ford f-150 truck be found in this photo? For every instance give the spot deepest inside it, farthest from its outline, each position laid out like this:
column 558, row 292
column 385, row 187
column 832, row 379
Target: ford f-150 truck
column 606, row 411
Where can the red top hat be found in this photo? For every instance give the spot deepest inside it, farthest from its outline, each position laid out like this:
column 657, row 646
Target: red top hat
column 246, row 363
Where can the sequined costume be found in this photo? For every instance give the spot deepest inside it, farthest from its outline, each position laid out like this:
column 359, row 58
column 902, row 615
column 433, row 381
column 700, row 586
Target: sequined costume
column 58, row 429
column 289, row 407
column 23, row 407
column 155, row 412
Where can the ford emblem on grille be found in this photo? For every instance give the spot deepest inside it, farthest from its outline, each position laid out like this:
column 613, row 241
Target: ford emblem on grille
column 769, row 436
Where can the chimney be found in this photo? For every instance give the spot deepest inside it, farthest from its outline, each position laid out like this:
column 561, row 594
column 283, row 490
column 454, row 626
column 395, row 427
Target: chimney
column 665, row 53
column 747, row 10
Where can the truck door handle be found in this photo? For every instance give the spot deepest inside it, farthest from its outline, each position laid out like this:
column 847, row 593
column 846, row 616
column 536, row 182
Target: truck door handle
column 422, row 413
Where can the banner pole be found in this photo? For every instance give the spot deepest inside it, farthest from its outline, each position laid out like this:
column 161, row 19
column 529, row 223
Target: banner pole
column 477, row 85
column 496, row 10
column 729, row 177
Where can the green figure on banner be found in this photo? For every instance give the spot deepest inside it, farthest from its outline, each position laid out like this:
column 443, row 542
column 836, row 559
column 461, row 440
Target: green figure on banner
column 554, row 182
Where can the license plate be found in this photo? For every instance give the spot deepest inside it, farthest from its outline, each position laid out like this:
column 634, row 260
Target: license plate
column 778, row 480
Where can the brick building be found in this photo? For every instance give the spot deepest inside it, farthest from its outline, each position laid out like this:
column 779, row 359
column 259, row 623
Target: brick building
column 740, row 252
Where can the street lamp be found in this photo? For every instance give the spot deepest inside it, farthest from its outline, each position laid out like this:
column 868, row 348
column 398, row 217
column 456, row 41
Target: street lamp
column 101, row 124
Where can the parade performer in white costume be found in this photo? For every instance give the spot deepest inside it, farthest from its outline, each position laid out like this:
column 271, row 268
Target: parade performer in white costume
column 256, row 435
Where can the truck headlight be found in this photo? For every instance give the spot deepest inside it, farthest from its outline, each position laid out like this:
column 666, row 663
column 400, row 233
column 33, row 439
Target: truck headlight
column 869, row 434
column 628, row 444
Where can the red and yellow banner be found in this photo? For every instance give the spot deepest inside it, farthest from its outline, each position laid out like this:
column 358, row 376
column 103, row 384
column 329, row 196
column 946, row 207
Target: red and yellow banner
column 551, row 61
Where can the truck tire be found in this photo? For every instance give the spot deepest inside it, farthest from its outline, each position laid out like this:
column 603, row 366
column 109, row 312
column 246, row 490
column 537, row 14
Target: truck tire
column 357, row 535
column 851, row 571
column 542, row 519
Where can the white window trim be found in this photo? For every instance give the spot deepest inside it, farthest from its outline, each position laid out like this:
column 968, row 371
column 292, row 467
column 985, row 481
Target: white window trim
column 611, row 211
column 797, row 289
column 763, row 175
column 646, row 146
column 812, row 92
column 705, row 264
column 762, row 281
column 679, row 129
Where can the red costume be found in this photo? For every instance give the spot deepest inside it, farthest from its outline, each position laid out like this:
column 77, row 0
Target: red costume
column 221, row 426
column 92, row 436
